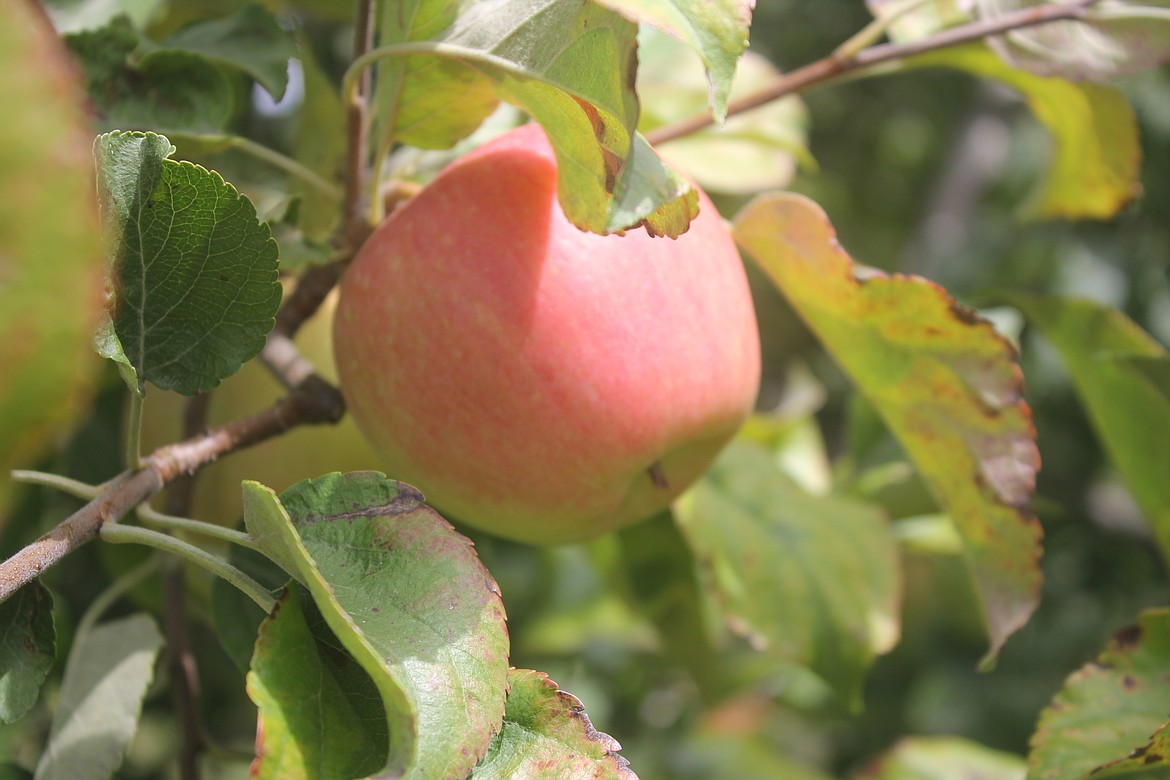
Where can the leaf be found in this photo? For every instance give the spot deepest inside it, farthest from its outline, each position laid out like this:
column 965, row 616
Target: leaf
column 1117, row 38
column 1097, row 150
column 50, row 264
column 1149, row 762
column 660, row 571
column 946, row 384
column 298, row 660
column 250, row 40
column 164, row 90
column 194, row 273
column 70, row 16
column 408, row 599
column 426, row 101
column 754, row 151
column 109, row 669
column 319, row 143
column 717, row 31
column 808, row 580
column 571, row 65
column 943, row 758
column 1109, row 707
column 27, row 649
column 1109, row 359
column 546, row 735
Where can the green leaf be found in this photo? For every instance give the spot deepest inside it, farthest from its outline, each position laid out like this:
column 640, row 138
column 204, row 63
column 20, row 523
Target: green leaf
column 70, row 16
column 947, row 385
column 408, row 599
column 319, row 144
column 943, row 758
column 1096, row 162
column 297, row 660
column 1110, row 360
column 194, row 272
column 571, row 65
column 546, row 735
column 250, row 40
column 1149, row 762
column 50, row 264
column 235, row 617
column 1108, row 708
column 660, row 571
column 1117, row 38
column 717, row 31
column 163, row 90
column 809, row 580
column 27, row 649
column 755, row 151
column 109, row 670
column 425, row 101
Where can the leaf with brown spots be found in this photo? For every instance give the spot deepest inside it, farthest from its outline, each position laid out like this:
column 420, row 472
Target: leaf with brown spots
column 946, row 384
column 547, row 736
column 409, row 599
column 1110, row 708
column 1149, row 762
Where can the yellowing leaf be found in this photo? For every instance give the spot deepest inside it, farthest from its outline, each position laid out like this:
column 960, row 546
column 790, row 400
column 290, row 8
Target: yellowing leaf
column 946, row 384
column 1096, row 162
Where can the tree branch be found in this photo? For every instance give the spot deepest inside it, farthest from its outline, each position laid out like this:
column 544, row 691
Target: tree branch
column 834, row 67
column 314, row 401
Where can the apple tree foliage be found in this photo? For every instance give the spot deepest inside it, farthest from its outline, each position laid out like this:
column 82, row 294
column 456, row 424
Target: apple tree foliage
column 860, row 587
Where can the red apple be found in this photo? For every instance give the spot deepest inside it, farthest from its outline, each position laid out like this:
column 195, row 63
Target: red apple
column 533, row 380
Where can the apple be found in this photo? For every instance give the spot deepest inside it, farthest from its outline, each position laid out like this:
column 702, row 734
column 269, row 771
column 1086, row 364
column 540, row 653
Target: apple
column 532, row 380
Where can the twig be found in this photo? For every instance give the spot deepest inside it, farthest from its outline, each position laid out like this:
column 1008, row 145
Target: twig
column 184, row 673
column 834, row 67
column 314, row 401
column 316, row 283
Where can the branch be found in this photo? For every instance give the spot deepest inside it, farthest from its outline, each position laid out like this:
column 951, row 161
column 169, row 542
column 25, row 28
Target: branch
column 834, row 67
column 314, row 401
column 316, row 283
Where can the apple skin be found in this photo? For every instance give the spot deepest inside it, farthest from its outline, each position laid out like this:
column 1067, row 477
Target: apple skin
column 532, row 380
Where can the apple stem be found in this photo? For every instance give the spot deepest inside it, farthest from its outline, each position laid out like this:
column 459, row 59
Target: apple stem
column 657, row 476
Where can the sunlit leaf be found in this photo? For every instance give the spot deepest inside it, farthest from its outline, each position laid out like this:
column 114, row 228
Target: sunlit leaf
column 1117, row 38
column 298, row 660
column 572, row 66
column 809, row 580
column 1111, row 360
column 754, row 151
column 943, row 758
column 50, row 261
column 546, row 735
column 1110, row 707
column 250, row 40
column 946, row 384
column 194, row 273
column 109, row 669
column 27, row 649
column 1096, row 162
column 408, row 599
column 717, row 31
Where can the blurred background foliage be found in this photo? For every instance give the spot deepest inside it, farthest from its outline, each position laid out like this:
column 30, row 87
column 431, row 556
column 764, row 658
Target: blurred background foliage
column 923, row 172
